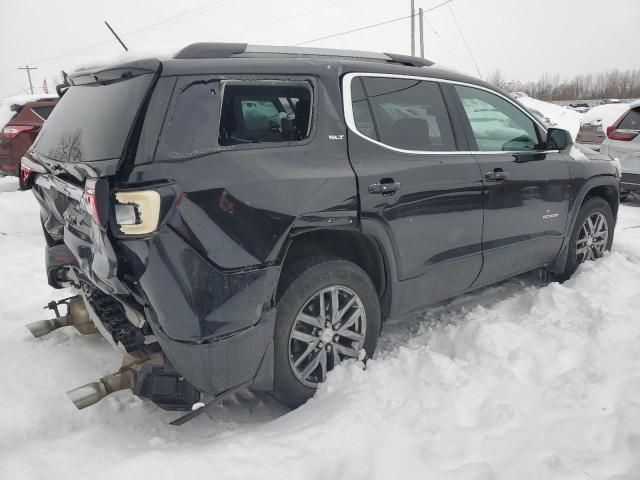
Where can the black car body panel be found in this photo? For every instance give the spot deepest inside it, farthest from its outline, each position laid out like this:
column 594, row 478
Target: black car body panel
column 207, row 277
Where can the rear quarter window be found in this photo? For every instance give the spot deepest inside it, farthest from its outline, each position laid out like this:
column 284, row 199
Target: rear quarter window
column 191, row 126
column 631, row 121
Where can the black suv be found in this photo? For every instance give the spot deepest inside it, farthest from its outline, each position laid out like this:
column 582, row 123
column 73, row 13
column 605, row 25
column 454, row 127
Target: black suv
column 243, row 216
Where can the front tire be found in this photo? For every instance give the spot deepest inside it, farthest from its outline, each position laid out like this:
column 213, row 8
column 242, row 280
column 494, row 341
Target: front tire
column 592, row 234
column 328, row 312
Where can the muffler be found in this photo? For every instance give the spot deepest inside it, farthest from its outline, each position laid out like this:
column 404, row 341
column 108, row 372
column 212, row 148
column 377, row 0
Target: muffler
column 77, row 316
column 123, row 379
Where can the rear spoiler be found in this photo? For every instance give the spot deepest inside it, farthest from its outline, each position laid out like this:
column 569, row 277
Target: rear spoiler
column 105, row 75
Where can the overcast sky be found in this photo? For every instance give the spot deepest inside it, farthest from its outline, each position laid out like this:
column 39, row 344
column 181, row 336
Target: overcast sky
column 524, row 39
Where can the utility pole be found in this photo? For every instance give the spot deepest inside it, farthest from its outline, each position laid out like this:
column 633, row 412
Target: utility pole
column 413, row 29
column 28, row 69
column 421, row 24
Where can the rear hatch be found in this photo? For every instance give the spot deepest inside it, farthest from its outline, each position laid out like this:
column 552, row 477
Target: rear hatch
column 88, row 139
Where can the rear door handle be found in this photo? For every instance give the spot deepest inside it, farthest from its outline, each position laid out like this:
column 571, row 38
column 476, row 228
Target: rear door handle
column 497, row 175
column 385, row 187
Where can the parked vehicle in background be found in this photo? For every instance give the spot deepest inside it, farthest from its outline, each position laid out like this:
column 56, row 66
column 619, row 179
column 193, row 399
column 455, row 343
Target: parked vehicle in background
column 580, row 107
column 594, row 124
column 343, row 188
column 21, row 117
column 623, row 143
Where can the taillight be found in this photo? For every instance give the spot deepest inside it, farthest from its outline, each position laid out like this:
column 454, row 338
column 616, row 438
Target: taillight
column 25, row 174
column 14, row 130
column 624, row 135
column 28, row 169
column 137, row 212
column 96, row 199
column 90, row 199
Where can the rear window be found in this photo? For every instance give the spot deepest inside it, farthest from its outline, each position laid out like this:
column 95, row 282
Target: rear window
column 631, row 121
column 43, row 112
column 269, row 113
column 92, row 122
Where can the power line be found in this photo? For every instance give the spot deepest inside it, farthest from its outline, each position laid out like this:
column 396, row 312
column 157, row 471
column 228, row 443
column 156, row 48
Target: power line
column 137, row 32
column 366, row 27
column 444, row 44
column 464, row 39
column 28, row 70
column 282, row 20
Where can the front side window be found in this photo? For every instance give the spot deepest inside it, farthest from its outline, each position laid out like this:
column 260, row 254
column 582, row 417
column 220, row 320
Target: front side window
column 496, row 124
column 265, row 113
column 409, row 114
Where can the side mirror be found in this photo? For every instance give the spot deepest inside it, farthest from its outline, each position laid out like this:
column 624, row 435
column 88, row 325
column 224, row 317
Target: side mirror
column 558, row 139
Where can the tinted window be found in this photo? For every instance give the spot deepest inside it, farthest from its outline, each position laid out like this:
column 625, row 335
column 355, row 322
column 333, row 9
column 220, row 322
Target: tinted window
column 361, row 111
column 192, row 121
column 254, row 113
column 410, row 114
column 43, row 112
column 497, row 124
column 631, row 121
column 92, row 122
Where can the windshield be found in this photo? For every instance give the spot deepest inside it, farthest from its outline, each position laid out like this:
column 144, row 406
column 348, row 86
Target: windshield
column 92, row 122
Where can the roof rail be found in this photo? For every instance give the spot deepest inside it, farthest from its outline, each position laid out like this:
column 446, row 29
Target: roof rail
column 226, row 50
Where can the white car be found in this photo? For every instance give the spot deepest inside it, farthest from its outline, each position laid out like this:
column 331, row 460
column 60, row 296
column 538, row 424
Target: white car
column 623, row 143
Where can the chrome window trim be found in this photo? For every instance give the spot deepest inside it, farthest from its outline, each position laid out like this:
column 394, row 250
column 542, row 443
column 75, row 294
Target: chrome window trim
column 351, row 123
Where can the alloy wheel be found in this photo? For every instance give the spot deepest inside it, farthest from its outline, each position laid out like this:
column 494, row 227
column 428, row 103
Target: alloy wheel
column 329, row 328
column 593, row 238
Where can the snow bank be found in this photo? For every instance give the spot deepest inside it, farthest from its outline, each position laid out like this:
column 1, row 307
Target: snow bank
column 519, row 381
column 560, row 117
column 7, row 109
column 604, row 115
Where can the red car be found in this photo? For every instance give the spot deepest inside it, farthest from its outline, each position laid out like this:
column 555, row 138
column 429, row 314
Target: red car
column 26, row 115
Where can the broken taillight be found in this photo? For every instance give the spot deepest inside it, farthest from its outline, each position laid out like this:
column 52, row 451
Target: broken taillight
column 137, row 212
column 90, row 199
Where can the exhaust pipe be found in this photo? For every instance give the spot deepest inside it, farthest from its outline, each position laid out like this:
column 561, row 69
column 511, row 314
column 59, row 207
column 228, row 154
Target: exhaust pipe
column 77, row 316
column 123, row 379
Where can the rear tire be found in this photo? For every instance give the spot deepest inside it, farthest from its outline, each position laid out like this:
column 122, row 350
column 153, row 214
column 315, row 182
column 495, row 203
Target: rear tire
column 592, row 234
column 308, row 342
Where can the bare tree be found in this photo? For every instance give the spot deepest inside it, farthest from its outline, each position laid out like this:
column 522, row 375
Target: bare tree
column 611, row 84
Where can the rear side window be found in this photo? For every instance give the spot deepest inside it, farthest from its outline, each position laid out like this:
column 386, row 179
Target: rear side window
column 269, row 112
column 496, row 124
column 42, row 112
column 361, row 110
column 631, row 121
column 408, row 114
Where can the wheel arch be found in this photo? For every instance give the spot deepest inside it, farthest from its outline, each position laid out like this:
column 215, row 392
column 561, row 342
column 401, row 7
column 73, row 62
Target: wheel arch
column 604, row 186
column 349, row 244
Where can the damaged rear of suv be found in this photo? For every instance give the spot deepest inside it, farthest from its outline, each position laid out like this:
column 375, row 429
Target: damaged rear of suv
column 239, row 216
column 170, row 193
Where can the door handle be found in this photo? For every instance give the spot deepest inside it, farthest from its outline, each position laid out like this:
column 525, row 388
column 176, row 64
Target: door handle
column 497, row 175
column 386, row 187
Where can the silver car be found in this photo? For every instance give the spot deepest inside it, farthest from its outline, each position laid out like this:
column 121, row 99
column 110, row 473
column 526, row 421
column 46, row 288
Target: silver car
column 623, row 143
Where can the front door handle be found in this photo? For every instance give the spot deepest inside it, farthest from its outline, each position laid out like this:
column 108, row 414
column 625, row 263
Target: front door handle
column 386, row 187
column 497, row 175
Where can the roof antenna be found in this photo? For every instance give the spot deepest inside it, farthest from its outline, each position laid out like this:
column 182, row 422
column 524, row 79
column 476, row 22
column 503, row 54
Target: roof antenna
column 116, row 35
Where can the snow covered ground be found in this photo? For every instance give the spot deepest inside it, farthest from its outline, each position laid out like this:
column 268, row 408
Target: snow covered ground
column 519, row 381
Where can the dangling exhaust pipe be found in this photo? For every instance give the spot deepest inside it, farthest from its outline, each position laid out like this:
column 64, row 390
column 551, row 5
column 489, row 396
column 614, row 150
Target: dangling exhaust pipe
column 77, row 316
column 123, row 379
